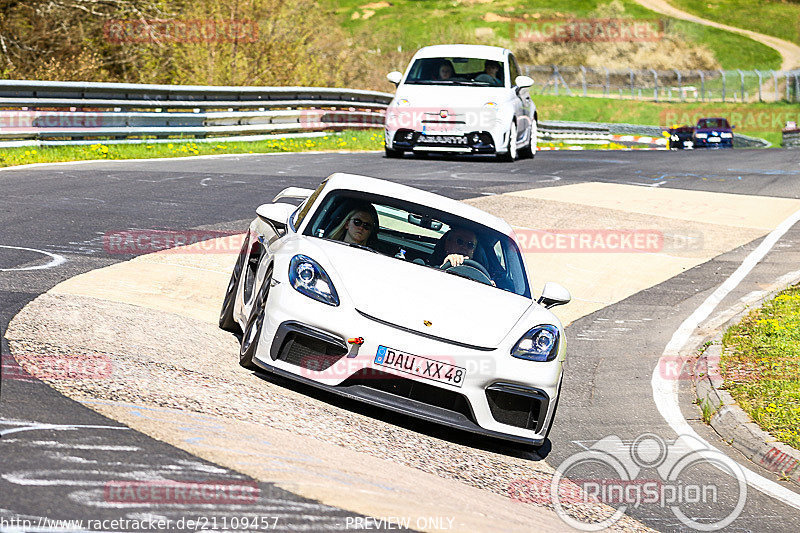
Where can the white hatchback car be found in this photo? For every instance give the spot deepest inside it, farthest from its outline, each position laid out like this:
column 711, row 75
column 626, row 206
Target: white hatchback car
column 462, row 98
column 389, row 320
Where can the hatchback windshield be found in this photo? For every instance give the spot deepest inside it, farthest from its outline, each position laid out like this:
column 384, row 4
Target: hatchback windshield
column 457, row 71
column 420, row 235
column 713, row 123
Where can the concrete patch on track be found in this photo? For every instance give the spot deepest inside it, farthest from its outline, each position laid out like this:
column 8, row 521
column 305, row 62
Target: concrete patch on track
column 694, row 226
column 175, row 378
column 174, row 374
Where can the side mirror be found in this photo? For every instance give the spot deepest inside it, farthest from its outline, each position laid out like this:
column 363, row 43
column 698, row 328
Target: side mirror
column 395, row 77
column 276, row 215
column 733, row 127
column 523, row 82
column 553, row 295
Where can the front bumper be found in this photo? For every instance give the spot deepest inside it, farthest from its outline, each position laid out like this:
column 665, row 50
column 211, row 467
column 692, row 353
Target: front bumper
column 713, row 142
column 493, row 399
column 473, row 142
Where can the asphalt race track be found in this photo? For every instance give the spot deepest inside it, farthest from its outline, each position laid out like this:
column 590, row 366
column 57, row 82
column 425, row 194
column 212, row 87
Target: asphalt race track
column 57, row 455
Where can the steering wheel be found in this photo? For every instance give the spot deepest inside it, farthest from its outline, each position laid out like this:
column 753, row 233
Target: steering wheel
column 469, row 269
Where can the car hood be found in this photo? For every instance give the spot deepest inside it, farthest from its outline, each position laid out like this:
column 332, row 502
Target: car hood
column 409, row 295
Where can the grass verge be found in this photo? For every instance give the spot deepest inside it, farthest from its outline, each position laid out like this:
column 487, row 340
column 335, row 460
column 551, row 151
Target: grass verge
column 780, row 19
column 761, row 365
column 763, row 120
column 349, row 141
column 407, row 25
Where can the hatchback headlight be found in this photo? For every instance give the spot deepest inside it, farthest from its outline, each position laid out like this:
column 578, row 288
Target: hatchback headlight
column 538, row 344
column 308, row 278
column 726, row 135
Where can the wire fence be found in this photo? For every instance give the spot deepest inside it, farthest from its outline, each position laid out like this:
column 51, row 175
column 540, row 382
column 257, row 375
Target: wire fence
column 668, row 85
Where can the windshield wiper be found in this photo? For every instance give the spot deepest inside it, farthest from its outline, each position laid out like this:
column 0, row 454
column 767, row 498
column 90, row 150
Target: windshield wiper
column 362, row 247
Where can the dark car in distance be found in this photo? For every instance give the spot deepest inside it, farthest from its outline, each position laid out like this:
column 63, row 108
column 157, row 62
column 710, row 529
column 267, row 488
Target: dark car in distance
column 713, row 133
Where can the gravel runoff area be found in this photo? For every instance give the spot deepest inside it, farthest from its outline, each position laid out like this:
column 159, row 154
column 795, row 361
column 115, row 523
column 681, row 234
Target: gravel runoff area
column 163, row 361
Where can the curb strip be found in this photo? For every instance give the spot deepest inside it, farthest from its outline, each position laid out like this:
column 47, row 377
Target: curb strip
column 731, row 422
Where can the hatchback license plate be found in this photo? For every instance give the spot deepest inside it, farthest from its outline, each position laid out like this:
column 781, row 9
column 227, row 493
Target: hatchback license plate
column 420, row 366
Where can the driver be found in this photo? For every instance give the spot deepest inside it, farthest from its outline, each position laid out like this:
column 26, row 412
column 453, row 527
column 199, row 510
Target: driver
column 459, row 245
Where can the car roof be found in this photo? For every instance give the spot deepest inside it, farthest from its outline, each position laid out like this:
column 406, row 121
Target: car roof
column 463, row 50
column 366, row 184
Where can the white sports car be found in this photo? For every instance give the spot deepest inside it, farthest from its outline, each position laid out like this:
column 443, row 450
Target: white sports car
column 403, row 299
column 462, row 98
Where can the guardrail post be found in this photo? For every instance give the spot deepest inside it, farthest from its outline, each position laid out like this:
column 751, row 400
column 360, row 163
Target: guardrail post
column 702, row 86
column 741, row 77
column 605, row 89
column 722, row 72
column 555, row 79
column 759, row 86
column 775, row 83
column 680, row 82
column 655, row 84
column 583, row 79
column 633, row 93
column 787, row 88
column 797, row 87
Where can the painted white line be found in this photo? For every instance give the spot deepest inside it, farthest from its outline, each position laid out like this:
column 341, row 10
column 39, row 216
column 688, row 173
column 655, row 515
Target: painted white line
column 56, row 427
column 665, row 390
column 55, row 259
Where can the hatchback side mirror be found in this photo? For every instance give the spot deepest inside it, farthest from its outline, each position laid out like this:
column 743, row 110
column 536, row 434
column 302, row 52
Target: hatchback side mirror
column 553, row 295
column 395, row 77
column 523, row 82
column 276, row 215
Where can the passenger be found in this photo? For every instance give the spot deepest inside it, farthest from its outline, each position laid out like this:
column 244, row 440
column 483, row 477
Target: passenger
column 357, row 227
column 446, row 71
column 491, row 73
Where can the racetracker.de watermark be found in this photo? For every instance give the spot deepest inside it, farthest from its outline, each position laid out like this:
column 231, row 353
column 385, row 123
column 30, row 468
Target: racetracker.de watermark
column 24, row 367
column 607, row 241
column 588, row 30
column 592, row 489
column 13, row 121
column 762, row 119
column 182, row 492
column 180, row 31
column 145, row 241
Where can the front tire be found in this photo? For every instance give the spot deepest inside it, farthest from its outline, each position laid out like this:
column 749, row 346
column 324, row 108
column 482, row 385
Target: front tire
column 511, row 149
column 255, row 324
column 393, row 154
column 529, row 152
column 226, row 320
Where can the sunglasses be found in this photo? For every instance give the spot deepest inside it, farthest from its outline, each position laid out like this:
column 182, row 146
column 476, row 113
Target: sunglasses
column 358, row 223
column 469, row 244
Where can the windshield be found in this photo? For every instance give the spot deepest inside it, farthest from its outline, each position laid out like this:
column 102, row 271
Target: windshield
column 457, row 71
column 713, row 123
column 419, row 235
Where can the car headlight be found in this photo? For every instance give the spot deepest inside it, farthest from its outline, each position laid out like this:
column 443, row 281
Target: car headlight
column 726, row 135
column 538, row 344
column 701, row 135
column 308, row 278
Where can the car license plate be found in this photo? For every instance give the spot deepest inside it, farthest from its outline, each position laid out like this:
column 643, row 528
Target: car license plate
column 420, row 366
column 441, row 128
column 713, row 139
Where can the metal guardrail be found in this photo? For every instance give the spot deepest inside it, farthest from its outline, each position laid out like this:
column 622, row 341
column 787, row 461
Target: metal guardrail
column 47, row 112
column 58, row 113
